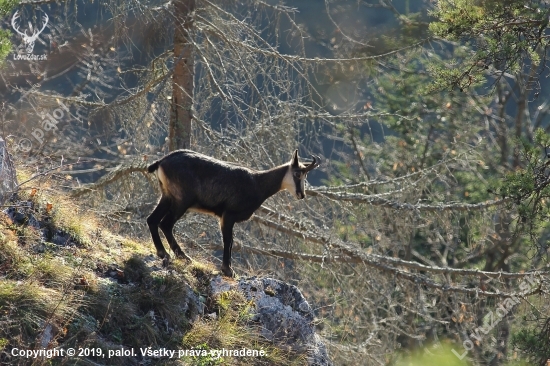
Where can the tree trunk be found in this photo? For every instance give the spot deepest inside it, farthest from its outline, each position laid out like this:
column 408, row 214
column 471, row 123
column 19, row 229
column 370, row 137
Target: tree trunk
column 8, row 179
column 183, row 79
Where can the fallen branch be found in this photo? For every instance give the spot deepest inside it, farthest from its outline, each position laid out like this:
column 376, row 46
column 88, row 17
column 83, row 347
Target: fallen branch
column 117, row 173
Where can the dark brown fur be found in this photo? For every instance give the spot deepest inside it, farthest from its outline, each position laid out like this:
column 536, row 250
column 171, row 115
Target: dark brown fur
column 196, row 182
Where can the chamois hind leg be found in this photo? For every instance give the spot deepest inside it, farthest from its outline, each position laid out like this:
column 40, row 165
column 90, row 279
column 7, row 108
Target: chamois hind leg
column 153, row 222
column 167, row 227
column 227, row 222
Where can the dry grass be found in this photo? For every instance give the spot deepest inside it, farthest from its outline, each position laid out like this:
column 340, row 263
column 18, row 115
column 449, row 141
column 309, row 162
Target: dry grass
column 103, row 290
column 229, row 330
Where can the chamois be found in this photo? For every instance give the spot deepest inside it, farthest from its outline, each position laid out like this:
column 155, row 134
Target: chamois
column 190, row 181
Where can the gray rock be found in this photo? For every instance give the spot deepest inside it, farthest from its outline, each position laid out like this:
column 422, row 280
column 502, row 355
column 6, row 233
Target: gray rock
column 193, row 305
column 61, row 238
column 47, row 336
column 33, row 221
column 284, row 315
column 20, row 215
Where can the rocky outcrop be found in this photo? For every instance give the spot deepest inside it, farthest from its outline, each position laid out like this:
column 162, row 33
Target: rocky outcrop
column 284, row 315
column 280, row 313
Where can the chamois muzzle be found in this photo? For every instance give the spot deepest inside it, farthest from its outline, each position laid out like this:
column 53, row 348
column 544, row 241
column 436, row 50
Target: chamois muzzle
column 300, row 193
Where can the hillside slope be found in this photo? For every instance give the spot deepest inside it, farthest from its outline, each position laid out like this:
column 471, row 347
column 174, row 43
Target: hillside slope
column 68, row 285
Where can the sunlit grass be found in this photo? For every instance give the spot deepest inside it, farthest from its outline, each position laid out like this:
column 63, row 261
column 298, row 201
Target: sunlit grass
column 26, row 308
column 230, row 330
column 434, row 355
column 102, row 290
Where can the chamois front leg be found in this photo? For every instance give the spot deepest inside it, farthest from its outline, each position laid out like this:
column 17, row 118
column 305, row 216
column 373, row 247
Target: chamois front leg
column 227, row 223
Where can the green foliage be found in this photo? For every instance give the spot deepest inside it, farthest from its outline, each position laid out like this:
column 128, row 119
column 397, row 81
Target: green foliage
column 529, row 187
column 208, row 360
column 429, row 125
column 6, row 6
column 3, row 343
column 534, row 342
column 453, row 141
column 430, row 356
column 5, row 44
column 502, row 35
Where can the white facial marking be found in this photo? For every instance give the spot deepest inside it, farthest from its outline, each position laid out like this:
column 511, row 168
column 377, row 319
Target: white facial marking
column 288, row 183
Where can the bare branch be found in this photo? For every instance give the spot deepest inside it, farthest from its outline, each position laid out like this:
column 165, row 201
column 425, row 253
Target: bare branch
column 376, row 201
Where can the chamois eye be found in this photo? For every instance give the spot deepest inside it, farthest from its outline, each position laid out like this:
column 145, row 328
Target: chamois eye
column 298, row 175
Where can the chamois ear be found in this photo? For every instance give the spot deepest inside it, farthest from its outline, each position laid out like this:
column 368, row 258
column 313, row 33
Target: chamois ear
column 295, row 159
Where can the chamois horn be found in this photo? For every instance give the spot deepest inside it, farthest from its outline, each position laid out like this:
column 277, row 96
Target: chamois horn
column 313, row 164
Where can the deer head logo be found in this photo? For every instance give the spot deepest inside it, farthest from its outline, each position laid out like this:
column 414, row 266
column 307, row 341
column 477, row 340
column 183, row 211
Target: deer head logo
column 29, row 40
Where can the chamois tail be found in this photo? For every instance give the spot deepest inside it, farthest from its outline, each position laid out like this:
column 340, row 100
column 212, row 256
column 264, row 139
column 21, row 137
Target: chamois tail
column 151, row 168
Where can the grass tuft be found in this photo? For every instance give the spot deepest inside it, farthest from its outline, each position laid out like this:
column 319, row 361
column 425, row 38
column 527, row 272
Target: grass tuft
column 96, row 289
column 230, row 329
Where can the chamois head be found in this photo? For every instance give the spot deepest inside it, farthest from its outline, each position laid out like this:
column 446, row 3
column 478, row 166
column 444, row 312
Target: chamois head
column 296, row 175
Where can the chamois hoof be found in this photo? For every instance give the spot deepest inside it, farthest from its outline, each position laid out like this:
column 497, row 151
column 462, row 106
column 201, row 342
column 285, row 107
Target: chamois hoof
column 165, row 259
column 228, row 272
column 182, row 255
